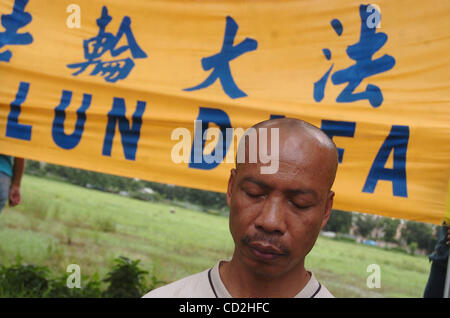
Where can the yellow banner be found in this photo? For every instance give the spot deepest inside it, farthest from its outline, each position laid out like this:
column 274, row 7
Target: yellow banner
column 131, row 87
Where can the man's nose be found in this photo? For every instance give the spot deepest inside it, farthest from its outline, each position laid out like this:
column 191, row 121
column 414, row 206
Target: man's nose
column 271, row 218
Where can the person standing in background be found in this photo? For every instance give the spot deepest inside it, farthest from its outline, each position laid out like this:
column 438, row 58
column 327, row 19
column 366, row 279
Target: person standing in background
column 439, row 260
column 11, row 171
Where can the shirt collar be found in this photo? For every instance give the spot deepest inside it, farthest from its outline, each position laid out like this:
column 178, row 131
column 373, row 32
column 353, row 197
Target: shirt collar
column 309, row 291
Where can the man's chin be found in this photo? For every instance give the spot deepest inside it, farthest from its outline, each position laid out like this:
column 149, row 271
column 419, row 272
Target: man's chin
column 268, row 269
column 266, row 272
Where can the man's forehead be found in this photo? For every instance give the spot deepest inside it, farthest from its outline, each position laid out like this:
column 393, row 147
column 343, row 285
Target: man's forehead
column 287, row 170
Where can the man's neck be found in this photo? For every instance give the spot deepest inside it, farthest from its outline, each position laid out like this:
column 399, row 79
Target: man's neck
column 241, row 282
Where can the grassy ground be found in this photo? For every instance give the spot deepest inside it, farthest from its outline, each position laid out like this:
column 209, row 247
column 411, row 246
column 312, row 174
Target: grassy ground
column 60, row 224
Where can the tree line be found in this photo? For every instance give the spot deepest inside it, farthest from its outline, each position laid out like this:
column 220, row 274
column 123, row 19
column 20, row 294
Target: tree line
column 413, row 234
column 207, row 201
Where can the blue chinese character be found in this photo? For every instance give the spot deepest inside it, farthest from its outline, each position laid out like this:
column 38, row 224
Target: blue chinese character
column 13, row 22
column 362, row 52
column 95, row 47
column 221, row 61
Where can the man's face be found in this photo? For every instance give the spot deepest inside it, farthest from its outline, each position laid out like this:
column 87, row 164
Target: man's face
column 275, row 218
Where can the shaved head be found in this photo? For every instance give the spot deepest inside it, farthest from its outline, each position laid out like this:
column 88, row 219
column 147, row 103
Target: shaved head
column 298, row 141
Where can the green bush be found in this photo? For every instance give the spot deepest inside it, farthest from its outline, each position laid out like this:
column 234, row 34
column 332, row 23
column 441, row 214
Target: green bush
column 125, row 280
column 23, row 280
column 58, row 289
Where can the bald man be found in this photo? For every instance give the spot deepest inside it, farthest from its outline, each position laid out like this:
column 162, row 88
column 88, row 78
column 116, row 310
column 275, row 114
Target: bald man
column 275, row 219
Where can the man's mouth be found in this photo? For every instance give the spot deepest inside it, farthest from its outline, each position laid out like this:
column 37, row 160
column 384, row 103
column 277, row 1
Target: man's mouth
column 265, row 251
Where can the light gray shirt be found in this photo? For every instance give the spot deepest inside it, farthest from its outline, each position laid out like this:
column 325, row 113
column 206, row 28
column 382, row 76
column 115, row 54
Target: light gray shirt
column 208, row 284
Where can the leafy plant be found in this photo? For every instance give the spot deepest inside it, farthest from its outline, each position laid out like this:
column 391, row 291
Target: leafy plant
column 23, row 280
column 58, row 289
column 126, row 280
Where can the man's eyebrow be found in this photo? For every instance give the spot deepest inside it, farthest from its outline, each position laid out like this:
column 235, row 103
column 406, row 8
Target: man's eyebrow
column 257, row 182
column 295, row 192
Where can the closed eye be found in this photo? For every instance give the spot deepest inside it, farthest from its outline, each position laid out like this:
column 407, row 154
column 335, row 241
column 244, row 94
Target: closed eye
column 298, row 206
column 254, row 195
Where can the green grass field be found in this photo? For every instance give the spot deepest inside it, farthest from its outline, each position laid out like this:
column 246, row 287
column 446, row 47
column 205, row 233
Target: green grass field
column 59, row 224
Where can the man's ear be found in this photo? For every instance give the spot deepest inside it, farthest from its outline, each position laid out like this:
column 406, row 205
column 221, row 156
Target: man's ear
column 328, row 208
column 230, row 186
